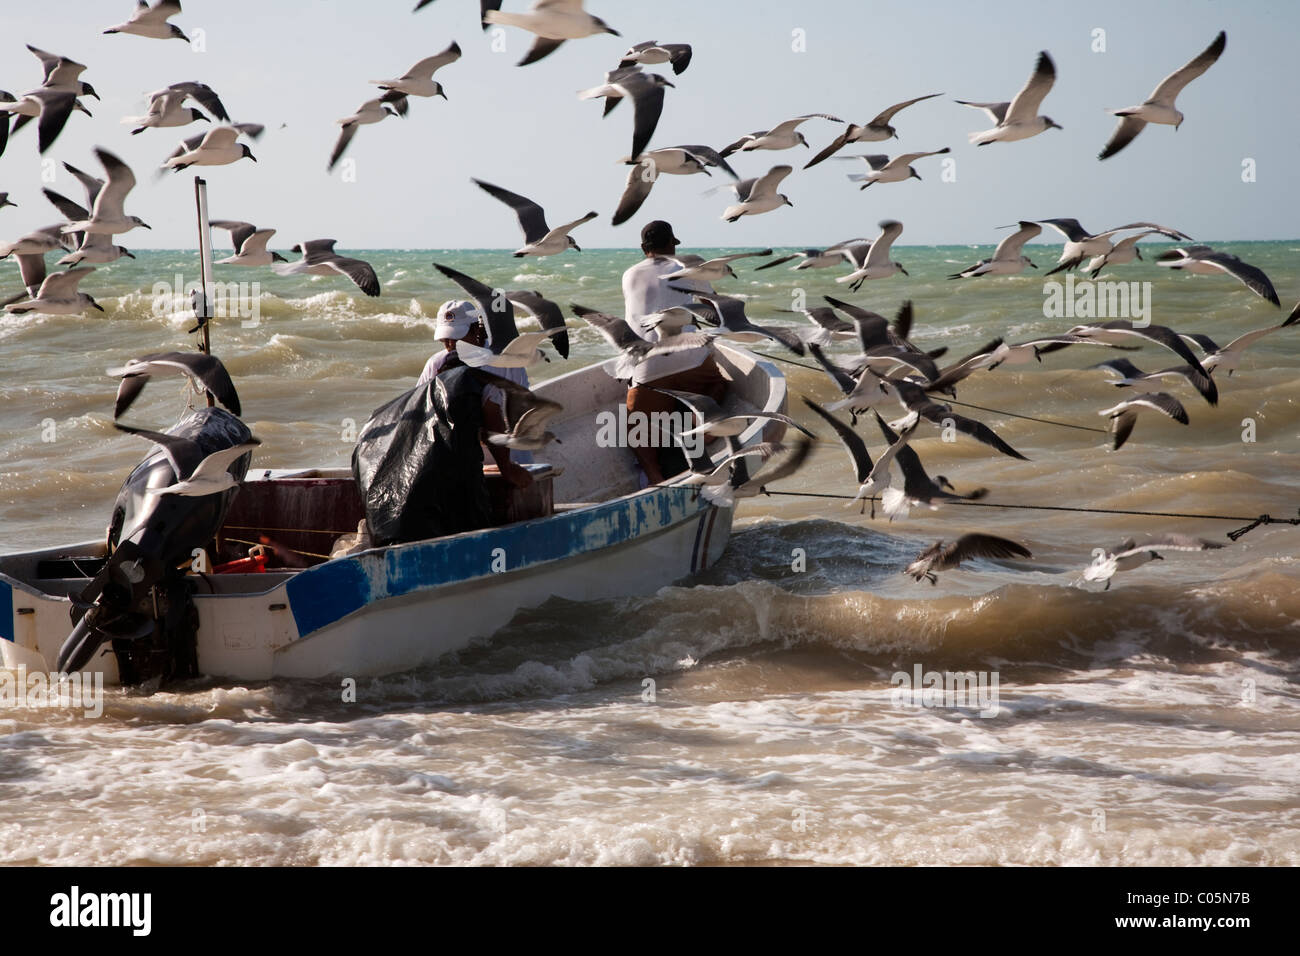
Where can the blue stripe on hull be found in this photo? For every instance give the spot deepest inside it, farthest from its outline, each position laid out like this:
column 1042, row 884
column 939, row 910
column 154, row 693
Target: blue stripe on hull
column 321, row 595
column 6, row 611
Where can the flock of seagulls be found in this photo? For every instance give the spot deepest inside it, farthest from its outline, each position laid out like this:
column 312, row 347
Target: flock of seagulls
column 888, row 371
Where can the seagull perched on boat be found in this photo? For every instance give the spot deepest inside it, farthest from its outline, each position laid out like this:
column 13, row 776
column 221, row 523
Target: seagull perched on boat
column 875, row 264
column 886, row 170
column 196, row 474
column 320, row 259
column 250, row 245
column 205, row 374
column 371, row 111
column 652, row 52
column 943, row 556
column 673, row 160
column 1127, row 374
column 152, row 22
column 820, row 258
column 1202, row 260
column 713, row 270
column 645, row 90
column 759, row 195
column 107, row 213
column 418, row 80
column 1130, row 555
column 1124, row 415
column 1080, row 244
column 58, row 295
column 539, row 239
column 1008, row 258
column 1159, row 106
column 219, row 146
column 782, row 136
column 918, row 487
column 1019, row 118
column 875, row 131
column 552, row 22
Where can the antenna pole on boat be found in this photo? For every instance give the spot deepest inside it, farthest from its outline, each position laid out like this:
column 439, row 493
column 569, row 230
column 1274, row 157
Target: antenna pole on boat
column 203, row 306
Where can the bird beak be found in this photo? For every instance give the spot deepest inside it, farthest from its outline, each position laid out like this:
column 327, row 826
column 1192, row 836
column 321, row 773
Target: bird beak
column 1139, row 254
column 577, row 248
column 609, row 29
column 1058, row 126
column 789, row 203
column 441, row 93
column 128, row 254
column 147, row 226
column 101, row 309
column 252, row 157
column 902, row 270
column 1032, row 266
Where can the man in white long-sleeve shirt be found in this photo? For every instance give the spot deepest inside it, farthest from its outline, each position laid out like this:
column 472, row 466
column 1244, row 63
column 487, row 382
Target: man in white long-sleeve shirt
column 690, row 370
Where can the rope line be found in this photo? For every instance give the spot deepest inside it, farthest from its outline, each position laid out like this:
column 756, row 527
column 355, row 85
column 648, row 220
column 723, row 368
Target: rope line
column 1253, row 523
column 995, row 411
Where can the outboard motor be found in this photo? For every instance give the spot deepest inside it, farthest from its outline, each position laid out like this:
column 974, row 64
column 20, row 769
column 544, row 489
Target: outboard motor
column 141, row 600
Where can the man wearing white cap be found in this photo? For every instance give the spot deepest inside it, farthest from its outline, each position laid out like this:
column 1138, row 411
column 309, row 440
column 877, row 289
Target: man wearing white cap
column 461, row 319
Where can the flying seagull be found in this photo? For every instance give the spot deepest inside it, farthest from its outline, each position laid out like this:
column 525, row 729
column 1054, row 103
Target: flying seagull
column 1126, row 250
column 1202, row 260
column 320, row 259
column 205, row 373
column 651, row 52
column 872, row 479
column 875, row 264
column 250, row 245
column 713, row 270
column 736, row 325
column 1127, row 374
column 1124, row 415
column 819, row 258
column 759, row 195
column 418, row 80
column 1080, row 244
column 1019, row 118
column 1008, row 258
column 716, row 421
column 94, row 247
column 875, row 131
column 673, row 160
column 886, row 170
column 782, row 136
column 539, row 239
column 219, row 146
column 552, row 22
column 152, row 22
column 371, row 111
column 53, row 109
column 1159, row 106
column 499, row 309
column 646, row 90
column 196, row 474
column 107, row 213
column 1130, row 555
column 918, row 487
column 1229, row 355
column 58, row 295
column 942, row 556
column 548, row 315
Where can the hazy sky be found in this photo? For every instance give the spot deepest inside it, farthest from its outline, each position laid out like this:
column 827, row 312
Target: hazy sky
column 302, row 64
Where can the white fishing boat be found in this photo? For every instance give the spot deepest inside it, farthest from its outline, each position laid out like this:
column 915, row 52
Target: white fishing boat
column 582, row 532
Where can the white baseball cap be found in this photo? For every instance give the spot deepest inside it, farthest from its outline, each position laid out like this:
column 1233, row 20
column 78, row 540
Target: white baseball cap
column 455, row 318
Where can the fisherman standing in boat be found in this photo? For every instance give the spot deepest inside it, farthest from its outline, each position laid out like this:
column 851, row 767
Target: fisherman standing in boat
column 460, row 319
column 689, row 370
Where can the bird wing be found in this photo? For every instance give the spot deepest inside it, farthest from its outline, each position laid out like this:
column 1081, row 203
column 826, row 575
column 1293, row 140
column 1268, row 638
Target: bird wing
column 1171, row 85
column 885, row 116
column 1252, row 277
column 72, row 211
column 63, row 284
column 239, row 231
column 205, row 96
column 890, row 229
column 1125, row 132
column 542, row 48
column 499, row 310
column 767, row 183
column 1024, row 108
column 532, row 219
column 111, row 200
column 345, row 137
column 997, row 111
column 358, row 270
column 852, row 441
column 985, row 546
column 790, row 125
column 55, row 111
column 640, row 180
column 548, row 315
column 31, row 269
column 183, row 454
column 432, row 64
column 1011, row 246
column 706, row 156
